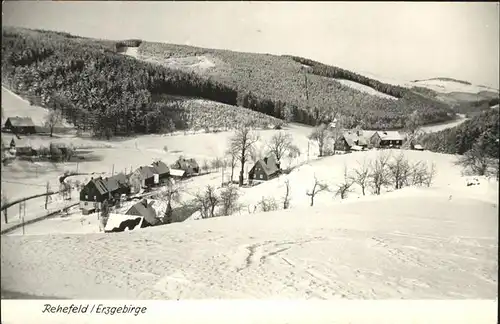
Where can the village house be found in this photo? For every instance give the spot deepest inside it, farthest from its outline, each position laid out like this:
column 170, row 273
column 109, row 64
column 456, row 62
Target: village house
column 263, row 170
column 145, row 210
column 387, row 139
column 190, row 166
column 20, row 125
column 144, row 176
column 161, row 169
column 351, row 141
column 97, row 190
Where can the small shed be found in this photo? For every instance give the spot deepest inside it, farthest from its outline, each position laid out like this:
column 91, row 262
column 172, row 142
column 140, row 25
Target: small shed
column 264, row 169
column 20, row 125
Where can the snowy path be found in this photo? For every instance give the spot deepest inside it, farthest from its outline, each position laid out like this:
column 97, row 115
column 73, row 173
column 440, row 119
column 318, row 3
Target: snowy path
column 393, row 247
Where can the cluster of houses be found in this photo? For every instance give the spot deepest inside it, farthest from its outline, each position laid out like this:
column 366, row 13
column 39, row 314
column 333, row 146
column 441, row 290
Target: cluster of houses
column 118, row 187
column 358, row 140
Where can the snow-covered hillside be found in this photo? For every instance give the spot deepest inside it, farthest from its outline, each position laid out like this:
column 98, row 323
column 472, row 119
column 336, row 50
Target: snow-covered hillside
column 365, row 89
column 439, row 85
column 421, row 245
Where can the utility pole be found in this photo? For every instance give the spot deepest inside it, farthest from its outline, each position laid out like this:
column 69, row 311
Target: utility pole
column 222, row 181
column 24, row 215
column 308, row 144
column 113, row 170
column 47, row 197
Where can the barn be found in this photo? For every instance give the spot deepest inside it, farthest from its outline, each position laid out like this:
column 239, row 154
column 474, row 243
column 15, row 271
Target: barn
column 263, row 170
column 387, row 139
column 20, row 125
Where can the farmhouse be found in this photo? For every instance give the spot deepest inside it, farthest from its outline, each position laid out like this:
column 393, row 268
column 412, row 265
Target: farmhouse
column 351, row 141
column 145, row 210
column 20, row 125
column 384, row 139
column 145, row 176
column 189, row 165
column 97, row 190
column 264, row 169
column 161, row 169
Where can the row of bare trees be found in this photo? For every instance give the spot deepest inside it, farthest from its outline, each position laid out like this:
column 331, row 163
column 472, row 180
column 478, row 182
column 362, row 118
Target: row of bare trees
column 383, row 172
column 211, row 203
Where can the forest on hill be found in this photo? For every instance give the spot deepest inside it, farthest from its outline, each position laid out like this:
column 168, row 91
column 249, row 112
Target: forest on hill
column 482, row 128
column 307, row 88
column 98, row 89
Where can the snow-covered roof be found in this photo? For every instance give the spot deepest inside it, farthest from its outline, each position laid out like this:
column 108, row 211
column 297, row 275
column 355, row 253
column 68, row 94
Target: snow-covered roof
column 177, row 172
column 114, row 220
column 390, row 135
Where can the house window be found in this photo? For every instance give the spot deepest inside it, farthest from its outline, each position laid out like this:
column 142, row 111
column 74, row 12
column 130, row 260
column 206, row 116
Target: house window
column 86, row 197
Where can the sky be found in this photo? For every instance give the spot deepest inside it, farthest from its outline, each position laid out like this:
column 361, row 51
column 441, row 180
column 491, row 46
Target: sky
column 399, row 40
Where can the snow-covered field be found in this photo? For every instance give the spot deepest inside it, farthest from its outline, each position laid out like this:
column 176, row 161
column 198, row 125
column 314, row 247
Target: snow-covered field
column 366, row 89
column 418, row 245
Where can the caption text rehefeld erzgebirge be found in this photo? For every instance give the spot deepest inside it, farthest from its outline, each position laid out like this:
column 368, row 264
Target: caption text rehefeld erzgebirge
column 93, row 309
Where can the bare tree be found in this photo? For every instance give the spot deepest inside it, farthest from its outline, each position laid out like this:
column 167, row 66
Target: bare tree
column 418, row 173
column 216, row 164
column 53, row 118
column 293, row 153
column 399, row 170
column 320, row 134
column 361, row 176
column 229, row 200
column 287, row 114
column 104, row 215
column 232, row 160
column 279, row 145
column 379, row 176
column 317, row 188
column 207, row 201
column 286, row 199
column 430, row 174
column 243, row 142
column 170, row 194
column 205, row 166
column 344, row 188
column 268, row 204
